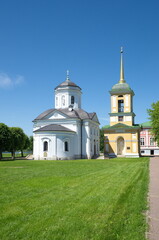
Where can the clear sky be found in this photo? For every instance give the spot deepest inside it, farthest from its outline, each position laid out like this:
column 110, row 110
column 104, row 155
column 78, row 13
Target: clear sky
column 41, row 39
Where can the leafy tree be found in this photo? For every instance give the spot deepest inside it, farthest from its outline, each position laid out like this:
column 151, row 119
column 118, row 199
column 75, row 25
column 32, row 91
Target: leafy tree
column 17, row 140
column 5, row 138
column 154, row 117
column 31, row 143
column 102, row 140
column 25, row 144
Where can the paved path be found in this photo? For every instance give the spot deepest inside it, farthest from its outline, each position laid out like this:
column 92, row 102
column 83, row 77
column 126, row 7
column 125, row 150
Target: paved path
column 154, row 199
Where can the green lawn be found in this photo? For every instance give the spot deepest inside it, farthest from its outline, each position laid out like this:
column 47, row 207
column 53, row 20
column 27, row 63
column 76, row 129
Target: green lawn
column 82, row 199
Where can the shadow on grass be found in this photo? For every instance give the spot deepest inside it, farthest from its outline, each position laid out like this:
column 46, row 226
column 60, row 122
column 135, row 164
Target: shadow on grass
column 7, row 159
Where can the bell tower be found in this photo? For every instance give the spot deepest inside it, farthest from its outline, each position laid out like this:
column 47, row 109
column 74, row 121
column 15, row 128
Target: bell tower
column 121, row 100
column 121, row 138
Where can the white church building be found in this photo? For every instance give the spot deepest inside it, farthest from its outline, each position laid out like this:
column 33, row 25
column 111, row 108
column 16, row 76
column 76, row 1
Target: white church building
column 66, row 131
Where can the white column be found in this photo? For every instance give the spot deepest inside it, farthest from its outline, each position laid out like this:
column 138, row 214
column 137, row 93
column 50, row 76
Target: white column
column 88, row 142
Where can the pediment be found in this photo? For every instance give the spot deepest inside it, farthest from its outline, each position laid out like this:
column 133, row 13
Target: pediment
column 56, row 115
column 95, row 118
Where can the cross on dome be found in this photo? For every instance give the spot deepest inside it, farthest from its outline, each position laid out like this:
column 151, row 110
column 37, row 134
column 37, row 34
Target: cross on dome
column 67, row 76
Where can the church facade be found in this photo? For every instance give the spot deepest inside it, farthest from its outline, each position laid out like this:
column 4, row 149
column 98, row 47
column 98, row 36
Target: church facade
column 121, row 137
column 66, row 131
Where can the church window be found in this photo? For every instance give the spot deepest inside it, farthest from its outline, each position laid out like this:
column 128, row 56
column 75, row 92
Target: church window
column 66, row 146
column 120, row 105
column 120, row 96
column 120, row 119
column 142, row 141
column 72, row 99
column 151, row 141
column 45, row 146
column 63, row 100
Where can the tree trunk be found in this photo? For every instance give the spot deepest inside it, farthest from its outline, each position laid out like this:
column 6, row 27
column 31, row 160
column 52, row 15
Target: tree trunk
column 13, row 155
column 0, row 155
column 22, row 153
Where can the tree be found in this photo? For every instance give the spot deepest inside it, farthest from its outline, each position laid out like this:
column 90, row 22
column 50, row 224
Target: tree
column 25, row 143
column 5, row 138
column 154, row 117
column 31, row 143
column 17, row 140
column 102, row 140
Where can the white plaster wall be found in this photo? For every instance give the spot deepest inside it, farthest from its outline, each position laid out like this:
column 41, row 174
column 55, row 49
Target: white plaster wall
column 128, row 119
column 113, row 103
column 126, row 100
column 91, row 135
column 87, row 139
column 55, row 145
column 61, row 153
column 57, row 115
column 75, row 138
column 134, row 147
column 38, row 146
column 68, row 92
column 112, row 119
column 156, row 152
column 148, row 152
column 78, row 141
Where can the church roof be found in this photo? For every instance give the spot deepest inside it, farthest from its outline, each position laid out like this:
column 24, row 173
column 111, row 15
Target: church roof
column 75, row 113
column 122, row 126
column 146, row 124
column 67, row 83
column 53, row 127
column 120, row 88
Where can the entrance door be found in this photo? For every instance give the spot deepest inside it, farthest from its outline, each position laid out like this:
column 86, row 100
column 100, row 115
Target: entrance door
column 152, row 152
column 120, row 146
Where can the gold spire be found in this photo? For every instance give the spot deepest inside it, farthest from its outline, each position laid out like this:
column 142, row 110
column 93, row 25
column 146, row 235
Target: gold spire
column 122, row 80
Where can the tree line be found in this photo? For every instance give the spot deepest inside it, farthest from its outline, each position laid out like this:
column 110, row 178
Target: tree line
column 154, row 118
column 14, row 139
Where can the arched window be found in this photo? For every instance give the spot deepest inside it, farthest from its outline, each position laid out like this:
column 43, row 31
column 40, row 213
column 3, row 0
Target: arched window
column 120, row 96
column 45, row 146
column 66, row 146
column 120, row 105
column 63, row 100
column 72, row 99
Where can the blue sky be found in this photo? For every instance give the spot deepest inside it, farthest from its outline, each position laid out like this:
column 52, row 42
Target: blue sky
column 41, row 39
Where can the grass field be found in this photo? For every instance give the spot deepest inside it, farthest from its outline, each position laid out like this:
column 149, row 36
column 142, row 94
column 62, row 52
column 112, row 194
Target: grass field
column 74, row 200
